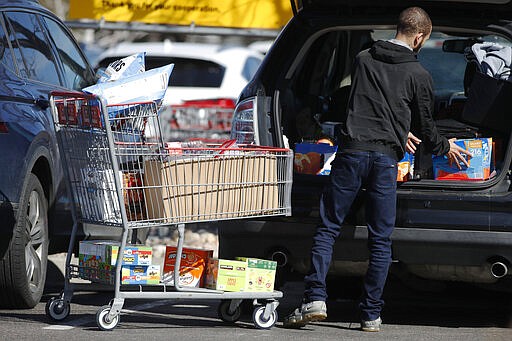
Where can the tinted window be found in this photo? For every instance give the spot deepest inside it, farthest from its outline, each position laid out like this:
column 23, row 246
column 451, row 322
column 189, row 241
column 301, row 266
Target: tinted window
column 76, row 72
column 33, row 47
column 186, row 72
column 250, row 67
column 6, row 57
column 446, row 68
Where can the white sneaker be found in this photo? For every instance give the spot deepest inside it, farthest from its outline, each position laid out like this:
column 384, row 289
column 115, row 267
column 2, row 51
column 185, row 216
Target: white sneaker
column 308, row 312
column 371, row 326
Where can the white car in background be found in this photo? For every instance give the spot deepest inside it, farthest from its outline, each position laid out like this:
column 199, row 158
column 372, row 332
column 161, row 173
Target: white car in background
column 203, row 87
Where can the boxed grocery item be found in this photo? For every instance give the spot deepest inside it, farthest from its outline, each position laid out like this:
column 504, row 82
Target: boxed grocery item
column 405, row 168
column 260, row 274
column 103, row 204
column 479, row 164
column 313, row 158
column 140, row 274
column 192, row 266
column 97, row 258
column 133, row 254
column 209, row 188
column 226, row 275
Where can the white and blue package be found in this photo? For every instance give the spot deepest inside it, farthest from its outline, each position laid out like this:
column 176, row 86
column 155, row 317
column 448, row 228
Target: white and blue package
column 143, row 87
column 125, row 67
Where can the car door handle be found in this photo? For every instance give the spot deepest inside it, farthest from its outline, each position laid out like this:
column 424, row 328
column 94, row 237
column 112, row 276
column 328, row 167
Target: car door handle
column 42, row 103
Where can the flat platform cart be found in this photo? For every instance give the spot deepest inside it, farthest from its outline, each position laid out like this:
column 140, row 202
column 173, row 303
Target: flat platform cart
column 120, row 174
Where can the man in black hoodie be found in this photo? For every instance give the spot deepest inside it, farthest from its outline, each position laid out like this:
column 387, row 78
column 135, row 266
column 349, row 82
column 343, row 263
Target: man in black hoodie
column 391, row 97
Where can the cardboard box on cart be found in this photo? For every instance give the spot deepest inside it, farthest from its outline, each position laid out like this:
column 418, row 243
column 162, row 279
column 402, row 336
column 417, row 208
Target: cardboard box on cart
column 260, row 274
column 203, row 189
column 192, row 266
column 226, row 275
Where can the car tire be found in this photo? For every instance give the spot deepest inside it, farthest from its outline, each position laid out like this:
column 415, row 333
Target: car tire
column 24, row 265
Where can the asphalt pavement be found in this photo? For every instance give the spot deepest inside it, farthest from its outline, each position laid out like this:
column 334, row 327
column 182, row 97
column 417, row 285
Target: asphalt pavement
column 452, row 312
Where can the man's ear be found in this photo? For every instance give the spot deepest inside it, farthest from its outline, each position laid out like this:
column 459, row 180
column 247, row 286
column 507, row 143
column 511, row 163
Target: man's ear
column 418, row 38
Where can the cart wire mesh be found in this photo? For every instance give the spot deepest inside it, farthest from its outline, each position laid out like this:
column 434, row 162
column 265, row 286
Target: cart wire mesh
column 120, row 172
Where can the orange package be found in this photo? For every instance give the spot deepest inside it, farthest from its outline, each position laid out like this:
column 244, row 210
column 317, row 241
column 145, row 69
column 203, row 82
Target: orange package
column 192, row 266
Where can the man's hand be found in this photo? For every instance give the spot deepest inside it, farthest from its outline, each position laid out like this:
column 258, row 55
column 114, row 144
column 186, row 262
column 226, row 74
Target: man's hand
column 412, row 141
column 455, row 154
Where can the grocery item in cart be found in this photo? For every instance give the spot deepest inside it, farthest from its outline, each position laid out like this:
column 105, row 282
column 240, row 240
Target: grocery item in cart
column 260, row 274
column 226, row 275
column 207, row 187
column 192, row 266
column 125, row 67
column 140, row 274
column 147, row 86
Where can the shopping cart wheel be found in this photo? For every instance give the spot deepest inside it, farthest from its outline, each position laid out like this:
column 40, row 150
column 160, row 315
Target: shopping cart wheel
column 259, row 318
column 227, row 316
column 57, row 309
column 103, row 321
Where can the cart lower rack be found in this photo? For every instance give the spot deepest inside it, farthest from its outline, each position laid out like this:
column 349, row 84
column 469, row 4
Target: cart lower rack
column 121, row 174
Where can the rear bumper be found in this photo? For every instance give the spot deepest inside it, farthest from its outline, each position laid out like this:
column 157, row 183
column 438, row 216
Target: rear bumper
column 410, row 245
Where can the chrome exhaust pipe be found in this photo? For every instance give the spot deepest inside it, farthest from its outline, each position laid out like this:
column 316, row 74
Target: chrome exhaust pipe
column 499, row 269
column 280, row 257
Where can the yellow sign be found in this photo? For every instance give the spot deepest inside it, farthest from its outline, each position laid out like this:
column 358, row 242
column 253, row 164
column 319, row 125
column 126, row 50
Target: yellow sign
column 255, row 14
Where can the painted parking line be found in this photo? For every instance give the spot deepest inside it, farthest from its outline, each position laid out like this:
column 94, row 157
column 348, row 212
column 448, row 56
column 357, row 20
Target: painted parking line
column 67, row 325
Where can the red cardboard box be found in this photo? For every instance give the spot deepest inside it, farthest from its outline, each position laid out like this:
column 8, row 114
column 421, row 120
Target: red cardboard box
column 192, row 266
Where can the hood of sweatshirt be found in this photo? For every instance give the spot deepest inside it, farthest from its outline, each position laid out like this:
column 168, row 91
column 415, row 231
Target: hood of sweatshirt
column 392, row 53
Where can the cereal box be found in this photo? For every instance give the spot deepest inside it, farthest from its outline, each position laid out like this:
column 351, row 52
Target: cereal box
column 226, row 275
column 140, row 274
column 192, row 266
column 479, row 164
column 260, row 274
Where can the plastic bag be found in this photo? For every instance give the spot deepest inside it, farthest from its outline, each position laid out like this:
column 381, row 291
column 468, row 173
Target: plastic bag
column 125, row 67
column 143, row 87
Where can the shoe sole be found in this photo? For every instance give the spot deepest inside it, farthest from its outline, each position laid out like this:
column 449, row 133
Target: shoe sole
column 372, row 330
column 314, row 317
column 311, row 317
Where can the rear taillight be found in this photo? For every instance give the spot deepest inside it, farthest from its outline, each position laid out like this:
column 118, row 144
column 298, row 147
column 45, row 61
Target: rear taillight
column 212, row 115
column 243, row 129
column 3, row 128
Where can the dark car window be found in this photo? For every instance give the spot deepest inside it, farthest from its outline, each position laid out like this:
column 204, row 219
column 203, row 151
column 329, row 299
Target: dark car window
column 187, row 72
column 6, row 57
column 32, row 49
column 250, row 67
column 76, row 72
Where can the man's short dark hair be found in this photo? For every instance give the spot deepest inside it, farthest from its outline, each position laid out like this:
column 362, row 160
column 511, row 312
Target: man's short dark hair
column 414, row 20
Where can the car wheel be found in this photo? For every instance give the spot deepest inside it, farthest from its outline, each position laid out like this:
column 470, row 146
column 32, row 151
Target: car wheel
column 24, row 264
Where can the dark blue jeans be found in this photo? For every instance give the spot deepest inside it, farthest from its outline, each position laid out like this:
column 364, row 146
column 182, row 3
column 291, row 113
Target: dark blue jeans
column 350, row 171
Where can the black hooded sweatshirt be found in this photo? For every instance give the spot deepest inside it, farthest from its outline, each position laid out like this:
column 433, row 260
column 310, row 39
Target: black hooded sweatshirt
column 391, row 95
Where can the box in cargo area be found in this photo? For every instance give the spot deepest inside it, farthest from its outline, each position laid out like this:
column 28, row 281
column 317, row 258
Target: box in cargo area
column 313, row 158
column 226, row 275
column 479, row 164
column 140, row 274
column 260, row 274
column 192, row 266
column 210, row 188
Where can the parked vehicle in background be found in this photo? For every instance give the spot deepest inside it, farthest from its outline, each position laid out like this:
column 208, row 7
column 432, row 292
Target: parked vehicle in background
column 38, row 54
column 449, row 230
column 204, row 85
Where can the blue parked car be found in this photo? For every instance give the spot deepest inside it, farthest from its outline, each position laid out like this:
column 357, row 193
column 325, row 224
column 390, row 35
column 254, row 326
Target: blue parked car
column 38, row 54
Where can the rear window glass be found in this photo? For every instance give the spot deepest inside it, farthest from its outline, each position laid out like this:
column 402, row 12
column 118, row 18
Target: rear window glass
column 186, row 73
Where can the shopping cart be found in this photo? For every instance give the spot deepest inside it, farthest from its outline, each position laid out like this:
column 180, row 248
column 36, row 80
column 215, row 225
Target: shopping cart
column 121, row 174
